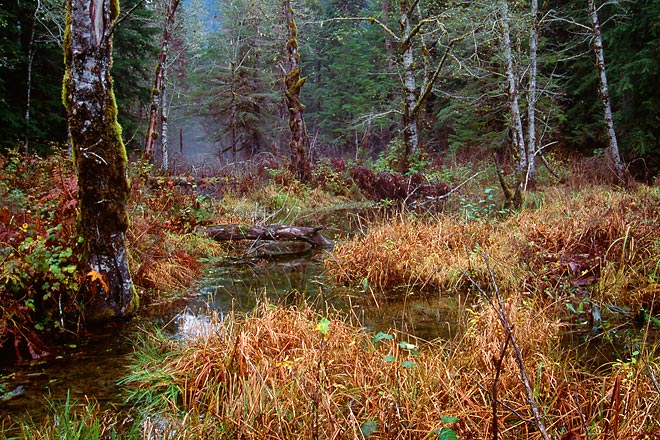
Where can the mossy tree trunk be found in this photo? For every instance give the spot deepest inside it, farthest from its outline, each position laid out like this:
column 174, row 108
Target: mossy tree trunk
column 100, row 157
column 293, row 82
column 410, row 90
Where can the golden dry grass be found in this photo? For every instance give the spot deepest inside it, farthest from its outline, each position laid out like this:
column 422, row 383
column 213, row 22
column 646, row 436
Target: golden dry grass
column 270, row 375
column 598, row 235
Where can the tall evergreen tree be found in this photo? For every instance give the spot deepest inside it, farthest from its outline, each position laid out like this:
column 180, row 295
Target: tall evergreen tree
column 233, row 79
column 633, row 54
column 351, row 98
column 135, row 47
column 30, row 73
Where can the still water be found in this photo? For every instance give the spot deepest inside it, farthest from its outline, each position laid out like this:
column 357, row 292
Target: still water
column 90, row 367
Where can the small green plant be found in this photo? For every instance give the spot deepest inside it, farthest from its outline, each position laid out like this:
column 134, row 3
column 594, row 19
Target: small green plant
column 70, row 421
column 484, row 208
column 389, row 160
column 201, row 212
column 446, row 433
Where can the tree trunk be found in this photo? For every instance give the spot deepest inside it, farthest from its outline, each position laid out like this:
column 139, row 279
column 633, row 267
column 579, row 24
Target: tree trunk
column 164, row 126
column 293, row 82
column 100, row 157
column 159, row 82
column 267, row 232
column 613, row 150
column 232, row 111
column 531, row 104
column 28, row 91
column 410, row 127
column 515, row 123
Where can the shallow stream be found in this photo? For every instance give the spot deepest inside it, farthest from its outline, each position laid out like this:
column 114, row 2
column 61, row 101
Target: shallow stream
column 90, row 367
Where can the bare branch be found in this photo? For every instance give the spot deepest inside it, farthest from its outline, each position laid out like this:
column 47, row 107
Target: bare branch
column 369, row 19
column 500, row 310
column 429, row 85
column 123, row 17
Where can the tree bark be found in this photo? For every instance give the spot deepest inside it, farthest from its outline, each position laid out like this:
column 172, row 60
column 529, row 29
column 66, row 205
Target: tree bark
column 28, row 91
column 100, row 157
column 515, row 122
column 410, row 92
column 531, row 104
column 164, row 126
column 267, row 232
column 159, row 82
column 613, row 150
column 293, row 81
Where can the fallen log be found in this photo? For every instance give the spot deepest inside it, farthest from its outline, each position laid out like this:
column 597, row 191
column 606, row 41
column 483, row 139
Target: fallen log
column 267, row 232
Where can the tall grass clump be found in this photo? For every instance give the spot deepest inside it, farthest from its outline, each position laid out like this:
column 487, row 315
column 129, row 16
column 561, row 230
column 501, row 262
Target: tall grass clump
column 292, row 373
column 420, row 255
column 599, row 240
column 581, row 262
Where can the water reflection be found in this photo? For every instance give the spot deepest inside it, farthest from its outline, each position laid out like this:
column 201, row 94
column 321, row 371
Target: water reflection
column 286, row 275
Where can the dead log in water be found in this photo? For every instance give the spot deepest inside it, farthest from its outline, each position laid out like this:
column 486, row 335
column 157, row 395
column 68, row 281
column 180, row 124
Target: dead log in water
column 267, row 232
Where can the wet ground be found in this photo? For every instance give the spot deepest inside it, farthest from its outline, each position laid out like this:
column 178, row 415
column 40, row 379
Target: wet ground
column 283, row 274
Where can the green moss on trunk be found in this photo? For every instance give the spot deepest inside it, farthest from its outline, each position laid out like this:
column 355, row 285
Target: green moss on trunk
column 100, row 159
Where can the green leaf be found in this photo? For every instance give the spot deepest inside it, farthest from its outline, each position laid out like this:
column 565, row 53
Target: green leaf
column 368, row 428
column 407, row 364
column 447, row 434
column 449, row 419
column 389, row 358
column 380, row 336
column 323, row 326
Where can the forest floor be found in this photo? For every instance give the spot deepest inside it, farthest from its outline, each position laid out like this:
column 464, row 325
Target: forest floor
column 558, row 317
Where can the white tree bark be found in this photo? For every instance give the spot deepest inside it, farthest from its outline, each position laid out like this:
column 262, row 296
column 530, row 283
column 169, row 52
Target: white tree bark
column 613, row 150
column 157, row 100
column 164, row 139
column 515, row 121
column 531, row 104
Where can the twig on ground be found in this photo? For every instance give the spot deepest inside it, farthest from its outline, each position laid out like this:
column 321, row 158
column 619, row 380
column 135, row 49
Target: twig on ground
column 508, row 330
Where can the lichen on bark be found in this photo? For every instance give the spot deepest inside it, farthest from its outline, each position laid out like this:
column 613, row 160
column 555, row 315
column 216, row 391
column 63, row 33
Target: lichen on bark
column 100, row 159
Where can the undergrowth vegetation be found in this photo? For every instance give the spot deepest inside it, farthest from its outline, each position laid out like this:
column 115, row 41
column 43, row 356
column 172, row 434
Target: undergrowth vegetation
column 558, row 305
column 286, row 373
column 597, row 241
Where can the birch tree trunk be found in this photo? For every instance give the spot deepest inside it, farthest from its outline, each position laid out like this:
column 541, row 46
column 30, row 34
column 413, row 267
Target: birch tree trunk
column 164, row 126
column 613, row 150
column 293, row 82
column 531, row 104
column 159, row 82
column 515, row 122
column 100, row 157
